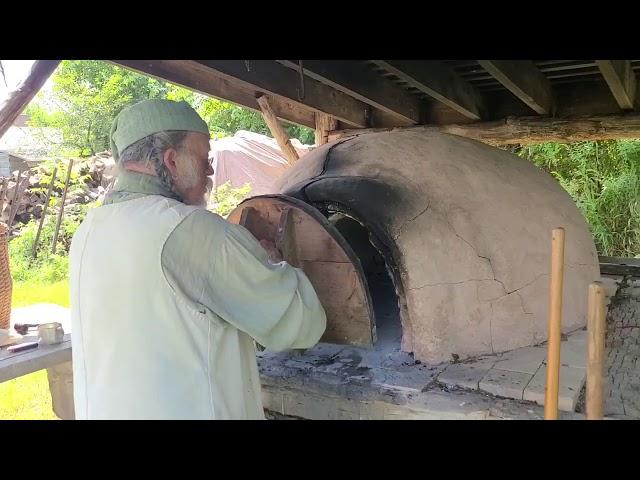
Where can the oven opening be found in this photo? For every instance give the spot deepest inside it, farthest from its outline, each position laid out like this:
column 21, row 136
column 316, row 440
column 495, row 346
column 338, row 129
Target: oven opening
column 379, row 281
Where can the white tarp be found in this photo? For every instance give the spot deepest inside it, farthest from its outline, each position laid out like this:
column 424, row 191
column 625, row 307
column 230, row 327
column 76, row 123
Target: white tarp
column 252, row 158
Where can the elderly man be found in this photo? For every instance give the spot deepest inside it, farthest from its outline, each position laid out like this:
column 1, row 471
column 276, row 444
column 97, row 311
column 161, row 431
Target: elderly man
column 166, row 296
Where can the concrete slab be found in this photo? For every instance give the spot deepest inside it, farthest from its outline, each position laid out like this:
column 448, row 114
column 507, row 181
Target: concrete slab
column 505, row 383
column 524, row 360
column 573, row 354
column 466, row 375
column 571, row 382
column 578, row 337
column 293, row 386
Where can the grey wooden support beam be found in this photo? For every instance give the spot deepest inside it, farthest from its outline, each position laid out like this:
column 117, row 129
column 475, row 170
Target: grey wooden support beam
column 621, row 80
column 439, row 82
column 524, row 80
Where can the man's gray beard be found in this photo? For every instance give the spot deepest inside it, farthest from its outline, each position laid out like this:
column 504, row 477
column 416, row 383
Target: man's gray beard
column 167, row 180
column 205, row 198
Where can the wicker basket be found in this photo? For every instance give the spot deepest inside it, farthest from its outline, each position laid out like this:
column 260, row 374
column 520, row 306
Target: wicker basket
column 6, row 282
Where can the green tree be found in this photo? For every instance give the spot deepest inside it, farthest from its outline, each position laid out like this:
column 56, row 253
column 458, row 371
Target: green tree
column 87, row 96
column 225, row 119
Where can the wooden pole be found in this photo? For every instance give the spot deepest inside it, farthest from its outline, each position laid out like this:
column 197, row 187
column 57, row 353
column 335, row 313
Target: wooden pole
column 3, row 192
column 14, row 201
column 555, row 322
column 277, row 131
column 596, row 326
column 44, row 212
column 61, row 212
column 324, row 124
column 19, row 98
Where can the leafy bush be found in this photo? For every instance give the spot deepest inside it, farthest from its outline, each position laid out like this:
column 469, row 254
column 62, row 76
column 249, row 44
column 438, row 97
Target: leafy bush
column 602, row 178
column 47, row 267
column 225, row 198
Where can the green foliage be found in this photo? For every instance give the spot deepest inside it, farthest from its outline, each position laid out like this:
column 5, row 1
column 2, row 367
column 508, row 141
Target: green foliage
column 224, row 119
column 77, row 181
column 602, row 178
column 87, row 96
column 304, row 134
column 225, row 198
column 47, row 267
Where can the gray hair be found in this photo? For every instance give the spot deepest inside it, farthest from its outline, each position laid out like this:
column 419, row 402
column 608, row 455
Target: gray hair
column 150, row 151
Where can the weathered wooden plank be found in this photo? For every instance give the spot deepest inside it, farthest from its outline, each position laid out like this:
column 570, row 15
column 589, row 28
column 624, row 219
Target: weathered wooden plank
column 61, row 211
column 621, row 80
column 527, row 130
column 439, row 82
column 277, row 131
column 324, row 124
column 21, row 186
column 193, row 75
column 23, row 363
column 360, row 82
column 19, row 98
column 524, row 80
column 268, row 76
column 620, row 266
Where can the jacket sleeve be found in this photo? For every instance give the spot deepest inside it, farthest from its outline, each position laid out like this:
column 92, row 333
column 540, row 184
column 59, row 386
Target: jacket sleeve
column 273, row 303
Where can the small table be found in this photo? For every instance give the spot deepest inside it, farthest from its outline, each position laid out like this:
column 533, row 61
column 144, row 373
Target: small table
column 45, row 356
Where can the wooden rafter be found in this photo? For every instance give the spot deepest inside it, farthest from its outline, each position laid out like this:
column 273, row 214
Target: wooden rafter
column 358, row 81
column 439, row 82
column 621, row 80
column 524, row 80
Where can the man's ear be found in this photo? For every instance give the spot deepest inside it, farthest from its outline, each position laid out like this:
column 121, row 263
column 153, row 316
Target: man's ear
column 170, row 158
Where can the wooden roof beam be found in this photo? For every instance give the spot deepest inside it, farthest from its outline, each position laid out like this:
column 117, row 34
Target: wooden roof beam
column 268, row 76
column 438, row 81
column 190, row 74
column 525, row 81
column 358, row 81
column 526, row 130
column 621, row 80
column 277, row 131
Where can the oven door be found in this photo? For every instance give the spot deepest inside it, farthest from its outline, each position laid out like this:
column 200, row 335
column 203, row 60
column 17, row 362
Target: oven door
column 310, row 242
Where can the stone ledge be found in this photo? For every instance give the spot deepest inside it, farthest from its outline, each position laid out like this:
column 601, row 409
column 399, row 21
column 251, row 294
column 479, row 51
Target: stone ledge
column 292, row 387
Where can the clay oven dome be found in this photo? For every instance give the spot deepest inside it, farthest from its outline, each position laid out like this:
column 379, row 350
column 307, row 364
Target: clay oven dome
column 464, row 229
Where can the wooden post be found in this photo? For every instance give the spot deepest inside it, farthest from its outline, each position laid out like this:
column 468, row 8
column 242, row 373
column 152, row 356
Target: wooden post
column 19, row 98
column 16, row 198
column 596, row 326
column 277, row 131
column 61, row 212
column 3, row 192
column 44, row 212
column 555, row 322
column 324, row 124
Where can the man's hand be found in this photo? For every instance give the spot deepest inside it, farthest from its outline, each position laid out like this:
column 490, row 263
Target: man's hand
column 275, row 256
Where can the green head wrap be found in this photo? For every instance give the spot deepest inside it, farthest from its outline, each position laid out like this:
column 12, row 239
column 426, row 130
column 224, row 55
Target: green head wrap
column 152, row 116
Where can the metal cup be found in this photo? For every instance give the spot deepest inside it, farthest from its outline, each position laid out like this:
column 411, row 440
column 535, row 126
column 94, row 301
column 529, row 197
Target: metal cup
column 51, row 333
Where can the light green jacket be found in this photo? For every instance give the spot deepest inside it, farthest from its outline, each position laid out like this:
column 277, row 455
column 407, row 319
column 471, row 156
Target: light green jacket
column 165, row 301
